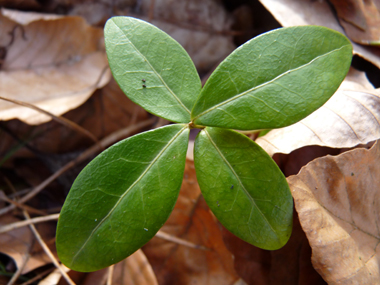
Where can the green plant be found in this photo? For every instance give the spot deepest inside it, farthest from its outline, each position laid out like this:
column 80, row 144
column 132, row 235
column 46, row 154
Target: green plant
column 122, row 198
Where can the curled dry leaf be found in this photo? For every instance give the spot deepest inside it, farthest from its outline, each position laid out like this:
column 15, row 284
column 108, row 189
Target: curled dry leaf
column 310, row 12
column 360, row 19
column 52, row 62
column 338, row 202
column 349, row 118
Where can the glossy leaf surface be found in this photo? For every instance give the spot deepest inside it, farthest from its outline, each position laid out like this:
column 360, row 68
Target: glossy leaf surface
column 152, row 68
column 122, row 198
column 274, row 80
column 243, row 187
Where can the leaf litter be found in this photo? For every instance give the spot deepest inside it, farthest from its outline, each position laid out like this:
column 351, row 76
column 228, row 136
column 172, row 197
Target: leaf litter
column 53, row 62
column 47, row 140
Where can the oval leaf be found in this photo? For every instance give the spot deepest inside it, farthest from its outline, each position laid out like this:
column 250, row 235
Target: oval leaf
column 122, row 198
column 151, row 68
column 243, row 187
column 274, row 80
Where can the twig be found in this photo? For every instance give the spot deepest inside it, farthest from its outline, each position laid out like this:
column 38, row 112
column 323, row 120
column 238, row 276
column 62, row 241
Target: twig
column 19, row 205
column 62, row 120
column 110, row 275
column 38, row 277
column 116, row 136
column 47, row 250
column 26, row 257
column 159, row 234
column 165, row 236
column 16, row 225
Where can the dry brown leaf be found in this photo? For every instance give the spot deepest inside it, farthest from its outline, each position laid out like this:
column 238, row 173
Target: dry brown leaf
column 18, row 244
column 191, row 220
column 338, row 202
column 135, row 270
column 311, row 12
column 53, row 62
column 349, row 118
column 360, row 19
column 107, row 111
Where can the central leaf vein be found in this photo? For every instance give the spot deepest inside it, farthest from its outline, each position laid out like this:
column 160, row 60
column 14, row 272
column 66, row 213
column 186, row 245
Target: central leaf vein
column 127, row 191
column 240, row 182
column 155, row 72
column 264, row 84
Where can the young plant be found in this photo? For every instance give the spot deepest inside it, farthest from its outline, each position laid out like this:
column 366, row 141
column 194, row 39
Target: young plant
column 124, row 196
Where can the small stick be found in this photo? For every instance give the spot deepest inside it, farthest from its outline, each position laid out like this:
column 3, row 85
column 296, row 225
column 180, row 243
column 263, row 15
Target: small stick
column 110, row 274
column 20, row 205
column 39, row 276
column 116, row 136
column 62, row 120
column 47, row 251
column 159, row 234
column 165, row 236
column 16, row 225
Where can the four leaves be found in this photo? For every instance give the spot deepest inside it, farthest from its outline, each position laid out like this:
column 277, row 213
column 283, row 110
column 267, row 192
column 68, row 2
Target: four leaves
column 122, row 198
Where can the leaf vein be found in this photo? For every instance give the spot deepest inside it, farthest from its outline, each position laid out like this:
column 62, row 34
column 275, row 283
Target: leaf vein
column 158, row 75
column 239, row 181
column 264, row 84
column 126, row 192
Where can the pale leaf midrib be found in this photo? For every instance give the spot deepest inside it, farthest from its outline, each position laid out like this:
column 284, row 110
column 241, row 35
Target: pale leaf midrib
column 240, row 182
column 264, row 84
column 126, row 192
column 158, row 75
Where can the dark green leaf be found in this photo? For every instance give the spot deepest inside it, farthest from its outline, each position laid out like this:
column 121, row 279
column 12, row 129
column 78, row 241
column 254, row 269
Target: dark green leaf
column 122, row 198
column 243, row 187
column 275, row 79
column 151, row 68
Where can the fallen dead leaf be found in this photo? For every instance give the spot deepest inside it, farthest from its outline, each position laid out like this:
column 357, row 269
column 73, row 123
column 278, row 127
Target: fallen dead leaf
column 107, row 111
column 134, row 270
column 349, row 118
column 311, row 12
column 360, row 19
column 19, row 243
column 191, row 220
column 52, row 62
column 337, row 200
